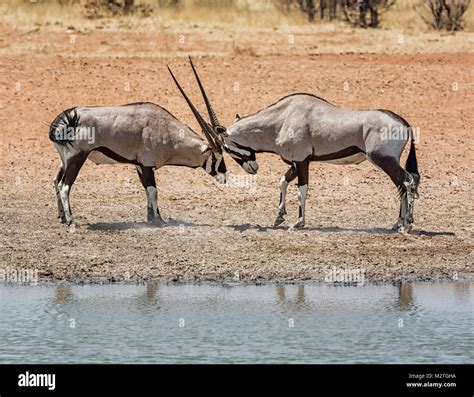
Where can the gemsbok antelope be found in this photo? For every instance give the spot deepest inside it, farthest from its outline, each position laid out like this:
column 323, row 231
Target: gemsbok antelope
column 302, row 128
column 143, row 134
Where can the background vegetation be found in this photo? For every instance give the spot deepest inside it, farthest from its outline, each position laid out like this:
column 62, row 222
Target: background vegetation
column 450, row 15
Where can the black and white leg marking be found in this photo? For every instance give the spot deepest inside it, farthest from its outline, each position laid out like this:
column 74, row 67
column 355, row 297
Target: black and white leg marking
column 284, row 182
column 405, row 182
column 400, row 225
column 56, row 181
column 302, row 171
column 407, row 202
column 147, row 178
column 410, row 186
column 72, row 166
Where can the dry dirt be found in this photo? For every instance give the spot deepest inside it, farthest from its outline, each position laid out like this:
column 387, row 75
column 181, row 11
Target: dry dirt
column 220, row 233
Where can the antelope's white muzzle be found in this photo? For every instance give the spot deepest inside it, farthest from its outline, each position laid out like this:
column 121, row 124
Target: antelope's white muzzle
column 250, row 167
column 221, row 177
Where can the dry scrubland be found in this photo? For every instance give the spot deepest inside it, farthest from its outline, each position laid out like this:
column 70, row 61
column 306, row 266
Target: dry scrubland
column 54, row 60
column 231, row 13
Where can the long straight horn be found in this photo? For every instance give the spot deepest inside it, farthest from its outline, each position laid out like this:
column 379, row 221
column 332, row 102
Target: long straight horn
column 204, row 126
column 212, row 115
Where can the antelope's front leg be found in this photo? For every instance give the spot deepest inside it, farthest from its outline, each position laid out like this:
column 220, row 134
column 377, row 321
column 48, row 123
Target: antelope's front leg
column 302, row 194
column 284, row 182
column 302, row 170
column 147, row 178
column 153, row 214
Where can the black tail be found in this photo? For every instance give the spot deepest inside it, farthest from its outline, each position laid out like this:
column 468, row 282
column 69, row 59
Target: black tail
column 412, row 165
column 63, row 127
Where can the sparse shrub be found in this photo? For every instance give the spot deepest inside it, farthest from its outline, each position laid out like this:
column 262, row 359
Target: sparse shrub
column 455, row 10
column 331, row 6
column 353, row 11
column 102, row 8
column 436, row 8
column 443, row 14
column 356, row 11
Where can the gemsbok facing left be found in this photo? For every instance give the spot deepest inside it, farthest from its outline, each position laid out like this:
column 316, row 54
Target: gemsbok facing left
column 302, row 128
column 143, row 134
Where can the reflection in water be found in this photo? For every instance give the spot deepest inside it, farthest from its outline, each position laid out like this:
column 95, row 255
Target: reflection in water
column 238, row 324
column 405, row 296
column 63, row 293
column 300, row 295
column 280, row 292
column 462, row 289
column 151, row 290
column 149, row 298
column 299, row 298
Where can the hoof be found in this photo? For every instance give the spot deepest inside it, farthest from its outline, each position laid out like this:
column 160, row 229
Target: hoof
column 157, row 222
column 278, row 221
column 398, row 224
column 400, row 227
column 404, row 229
column 298, row 225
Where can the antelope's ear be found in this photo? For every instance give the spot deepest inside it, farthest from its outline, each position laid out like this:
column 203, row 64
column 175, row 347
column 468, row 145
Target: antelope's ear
column 220, row 129
column 237, row 117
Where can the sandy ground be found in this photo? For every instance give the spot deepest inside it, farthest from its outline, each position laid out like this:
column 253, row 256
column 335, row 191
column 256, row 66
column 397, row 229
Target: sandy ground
column 218, row 233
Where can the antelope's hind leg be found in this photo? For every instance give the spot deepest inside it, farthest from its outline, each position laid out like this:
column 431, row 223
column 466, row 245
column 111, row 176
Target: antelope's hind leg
column 284, row 182
column 71, row 170
column 56, row 181
column 400, row 225
column 406, row 184
column 410, row 185
column 147, row 178
column 407, row 203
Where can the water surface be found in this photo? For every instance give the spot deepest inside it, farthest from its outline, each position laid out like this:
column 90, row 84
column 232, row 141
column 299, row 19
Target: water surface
column 414, row 323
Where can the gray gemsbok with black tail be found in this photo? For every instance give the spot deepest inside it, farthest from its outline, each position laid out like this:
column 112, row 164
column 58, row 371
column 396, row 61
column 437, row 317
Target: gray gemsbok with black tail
column 143, row 134
column 301, row 128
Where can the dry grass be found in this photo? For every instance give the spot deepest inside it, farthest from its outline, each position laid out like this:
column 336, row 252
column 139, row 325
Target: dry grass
column 243, row 13
column 238, row 13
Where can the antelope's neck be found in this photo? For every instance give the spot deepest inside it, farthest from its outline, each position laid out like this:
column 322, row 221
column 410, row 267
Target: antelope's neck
column 257, row 133
column 188, row 153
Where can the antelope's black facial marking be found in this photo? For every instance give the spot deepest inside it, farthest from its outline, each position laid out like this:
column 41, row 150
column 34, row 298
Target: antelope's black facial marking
column 215, row 166
column 210, row 165
column 240, row 153
column 221, row 167
column 244, row 156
